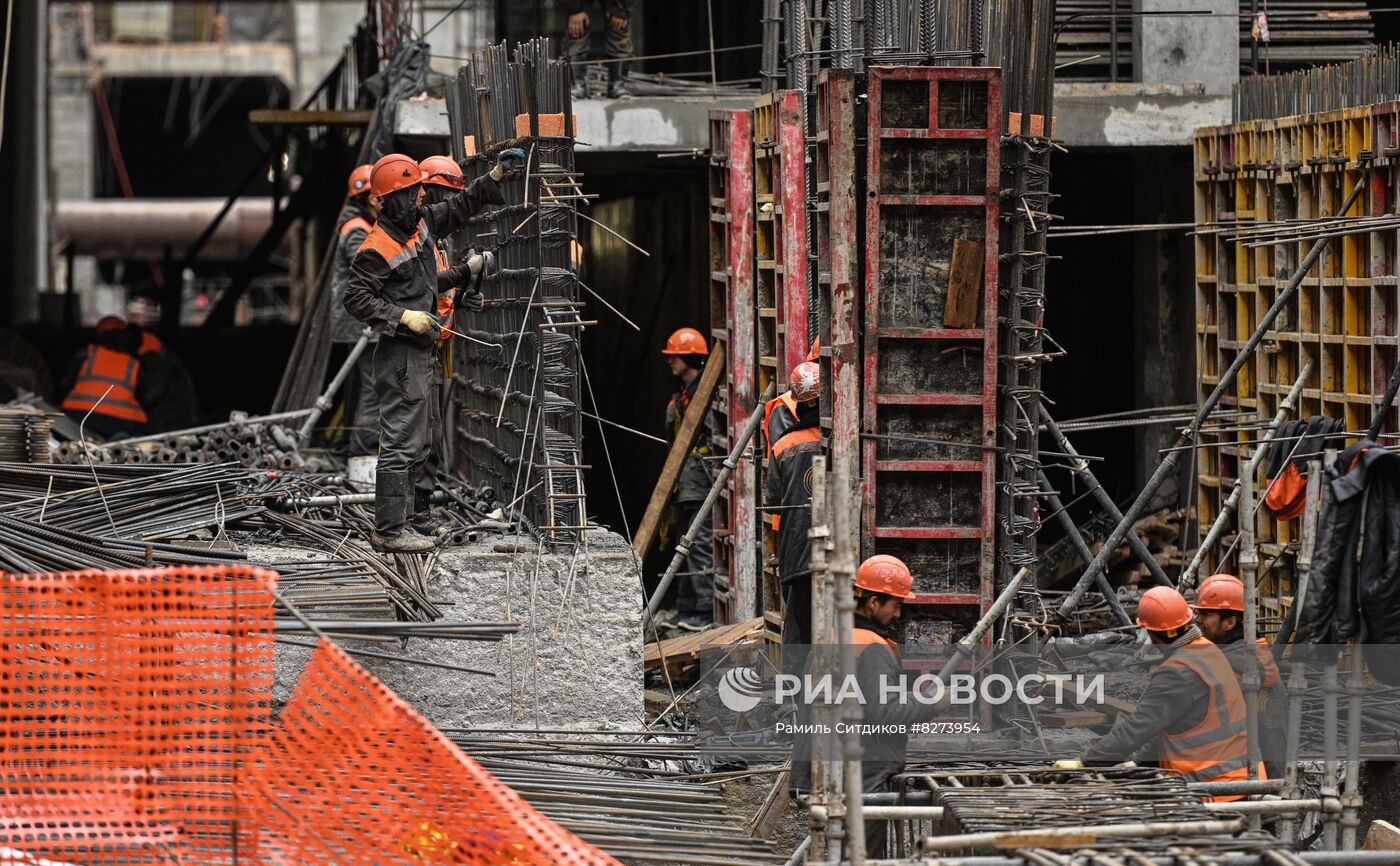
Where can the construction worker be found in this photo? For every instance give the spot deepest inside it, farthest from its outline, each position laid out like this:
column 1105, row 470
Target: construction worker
column 354, row 224
column 393, row 288
column 442, row 179
column 792, row 429
column 177, row 406
column 578, row 29
column 1220, row 616
column 1192, row 713
column 108, row 380
column 686, row 352
column 883, row 583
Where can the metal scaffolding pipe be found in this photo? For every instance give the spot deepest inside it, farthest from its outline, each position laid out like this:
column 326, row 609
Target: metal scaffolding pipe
column 1312, row 858
column 1217, row 529
column 1188, row 435
column 1269, row 807
column 885, row 813
column 1080, row 836
column 965, row 646
column 103, row 227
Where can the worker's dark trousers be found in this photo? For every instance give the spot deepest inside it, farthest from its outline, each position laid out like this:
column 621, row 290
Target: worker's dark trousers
column 695, row 582
column 428, row 473
column 797, row 610
column 364, row 424
column 617, row 43
column 402, row 380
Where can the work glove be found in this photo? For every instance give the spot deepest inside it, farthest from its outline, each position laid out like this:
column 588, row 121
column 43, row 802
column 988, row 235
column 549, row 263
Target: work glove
column 508, row 159
column 418, row 323
column 473, row 300
column 1069, row 764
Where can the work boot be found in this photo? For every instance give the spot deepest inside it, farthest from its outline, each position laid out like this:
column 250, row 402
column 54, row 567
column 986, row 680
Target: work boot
column 578, row 90
column 617, row 89
column 426, row 519
column 392, row 534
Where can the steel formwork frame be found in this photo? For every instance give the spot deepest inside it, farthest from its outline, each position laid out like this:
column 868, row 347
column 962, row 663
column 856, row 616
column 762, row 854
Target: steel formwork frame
column 930, row 502
column 737, row 540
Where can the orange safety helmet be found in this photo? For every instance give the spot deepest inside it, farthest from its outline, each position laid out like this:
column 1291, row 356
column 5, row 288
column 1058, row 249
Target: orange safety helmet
column 686, row 341
column 1220, row 592
column 394, row 172
column 1163, row 609
column 805, row 381
column 885, row 574
column 359, row 180
column 109, row 323
column 442, row 170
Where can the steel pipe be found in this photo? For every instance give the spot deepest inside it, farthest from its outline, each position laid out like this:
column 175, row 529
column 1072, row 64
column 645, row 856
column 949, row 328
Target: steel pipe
column 103, row 227
column 1082, row 836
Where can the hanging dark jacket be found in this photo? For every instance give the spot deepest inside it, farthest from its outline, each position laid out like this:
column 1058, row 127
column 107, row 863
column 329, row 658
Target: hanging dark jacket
column 1354, row 587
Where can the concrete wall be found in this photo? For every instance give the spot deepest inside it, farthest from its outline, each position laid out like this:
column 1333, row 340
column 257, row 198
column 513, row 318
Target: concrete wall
column 576, row 662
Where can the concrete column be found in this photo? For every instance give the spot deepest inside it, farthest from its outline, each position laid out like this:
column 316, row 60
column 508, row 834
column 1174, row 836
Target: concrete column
column 1164, row 310
column 23, row 158
column 1195, row 50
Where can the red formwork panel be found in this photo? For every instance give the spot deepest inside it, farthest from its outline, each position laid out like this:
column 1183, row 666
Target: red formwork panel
column 732, row 322
column 838, row 256
column 929, row 390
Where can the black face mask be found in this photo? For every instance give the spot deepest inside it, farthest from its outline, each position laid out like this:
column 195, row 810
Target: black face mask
column 400, row 208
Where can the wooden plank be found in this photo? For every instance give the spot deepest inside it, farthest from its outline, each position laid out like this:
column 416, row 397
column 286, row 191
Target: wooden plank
column 680, row 450
column 1110, row 705
column 293, row 117
column 964, row 285
column 1072, row 719
column 1382, row 836
column 687, row 647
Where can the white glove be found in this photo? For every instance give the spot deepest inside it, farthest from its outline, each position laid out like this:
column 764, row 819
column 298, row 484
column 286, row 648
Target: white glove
column 418, row 323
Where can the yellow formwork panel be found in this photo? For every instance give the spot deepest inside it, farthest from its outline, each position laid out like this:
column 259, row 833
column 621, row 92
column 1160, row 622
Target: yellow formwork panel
column 1344, row 318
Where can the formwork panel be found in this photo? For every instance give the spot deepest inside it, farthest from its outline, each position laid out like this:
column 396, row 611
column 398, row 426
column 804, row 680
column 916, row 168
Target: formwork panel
column 1342, row 319
column 732, row 310
column 929, row 336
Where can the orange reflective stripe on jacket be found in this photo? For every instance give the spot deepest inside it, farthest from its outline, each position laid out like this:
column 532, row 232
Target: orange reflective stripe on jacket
column 796, row 437
column 102, row 369
column 391, row 251
column 355, row 223
column 1216, row 750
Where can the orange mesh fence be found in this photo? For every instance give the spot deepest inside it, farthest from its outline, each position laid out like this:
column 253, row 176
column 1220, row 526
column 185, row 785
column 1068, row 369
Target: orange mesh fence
column 355, row 776
column 129, row 702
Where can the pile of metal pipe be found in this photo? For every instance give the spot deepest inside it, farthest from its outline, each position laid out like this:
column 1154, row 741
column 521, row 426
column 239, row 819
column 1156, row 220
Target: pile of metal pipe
column 24, row 435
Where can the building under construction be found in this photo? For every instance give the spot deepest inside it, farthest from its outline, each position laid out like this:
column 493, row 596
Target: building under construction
column 1096, row 507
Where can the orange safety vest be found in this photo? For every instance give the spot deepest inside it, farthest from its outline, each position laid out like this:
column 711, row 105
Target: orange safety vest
column 102, row 369
column 149, row 343
column 864, row 637
column 444, row 301
column 1216, row 750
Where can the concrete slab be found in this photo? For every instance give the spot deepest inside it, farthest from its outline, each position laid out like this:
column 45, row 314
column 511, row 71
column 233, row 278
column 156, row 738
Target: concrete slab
column 196, row 59
column 576, row 662
column 1089, row 114
column 640, row 124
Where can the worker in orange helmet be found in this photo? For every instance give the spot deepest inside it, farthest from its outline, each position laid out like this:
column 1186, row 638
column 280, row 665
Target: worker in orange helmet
column 788, row 493
column 883, row 584
column 352, row 226
column 1219, row 611
column 393, row 289
column 686, row 352
column 1191, row 717
column 108, row 385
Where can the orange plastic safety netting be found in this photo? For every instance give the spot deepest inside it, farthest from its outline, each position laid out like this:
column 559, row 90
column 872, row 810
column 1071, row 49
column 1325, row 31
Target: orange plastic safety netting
column 134, row 728
column 354, row 775
column 129, row 704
